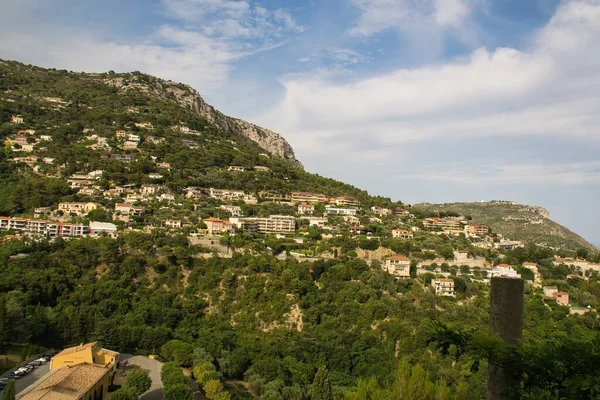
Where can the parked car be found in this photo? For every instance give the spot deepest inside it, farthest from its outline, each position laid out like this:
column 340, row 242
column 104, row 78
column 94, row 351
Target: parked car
column 35, row 363
column 13, row 375
column 3, row 382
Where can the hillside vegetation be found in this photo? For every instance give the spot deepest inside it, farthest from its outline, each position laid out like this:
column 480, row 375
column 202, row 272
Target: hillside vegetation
column 262, row 290
column 515, row 221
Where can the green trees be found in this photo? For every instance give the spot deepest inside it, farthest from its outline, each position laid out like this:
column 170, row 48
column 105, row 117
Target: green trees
column 176, row 385
column 208, row 378
column 321, row 389
column 178, row 351
column 9, row 391
column 139, row 381
column 178, row 392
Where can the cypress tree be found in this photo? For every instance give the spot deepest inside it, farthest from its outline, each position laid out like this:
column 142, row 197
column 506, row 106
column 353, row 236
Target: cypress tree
column 9, row 391
column 321, row 389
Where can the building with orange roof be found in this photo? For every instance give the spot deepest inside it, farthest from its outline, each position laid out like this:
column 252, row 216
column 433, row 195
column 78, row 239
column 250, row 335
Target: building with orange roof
column 399, row 266
column 216, row 226
column 80, row 382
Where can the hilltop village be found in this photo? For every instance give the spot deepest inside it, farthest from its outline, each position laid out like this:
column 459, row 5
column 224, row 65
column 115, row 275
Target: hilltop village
column 303, row 225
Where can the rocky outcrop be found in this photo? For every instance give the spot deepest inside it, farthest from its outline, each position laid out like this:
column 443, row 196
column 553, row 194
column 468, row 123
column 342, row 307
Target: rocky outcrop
column 272, row 142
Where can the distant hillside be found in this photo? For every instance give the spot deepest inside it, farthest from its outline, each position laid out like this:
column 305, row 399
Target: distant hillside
column 80, row 113
column 515, row 221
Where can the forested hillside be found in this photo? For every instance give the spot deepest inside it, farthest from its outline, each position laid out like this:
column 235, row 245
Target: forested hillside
column 517, row 221
column 130, row 218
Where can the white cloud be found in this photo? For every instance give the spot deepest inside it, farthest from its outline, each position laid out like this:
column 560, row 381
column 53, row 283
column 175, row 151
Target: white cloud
column 180, row 51
column 567, row 174
column 233, row 19
column 380, row 15
column 541, row 91
column 450, row 12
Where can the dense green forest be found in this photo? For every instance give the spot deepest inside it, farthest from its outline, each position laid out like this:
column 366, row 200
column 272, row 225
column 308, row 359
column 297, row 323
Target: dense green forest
column 136, row 293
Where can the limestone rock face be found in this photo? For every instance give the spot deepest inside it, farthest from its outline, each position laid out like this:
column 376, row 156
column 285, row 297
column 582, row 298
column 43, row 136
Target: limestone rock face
column 272, row 142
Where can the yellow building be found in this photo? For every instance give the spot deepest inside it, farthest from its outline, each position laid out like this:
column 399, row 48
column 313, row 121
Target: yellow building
column 79, row 382
column 88, row 353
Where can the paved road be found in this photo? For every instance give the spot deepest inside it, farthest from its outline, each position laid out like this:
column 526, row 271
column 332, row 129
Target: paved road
column 153, row 368
column 31, row 378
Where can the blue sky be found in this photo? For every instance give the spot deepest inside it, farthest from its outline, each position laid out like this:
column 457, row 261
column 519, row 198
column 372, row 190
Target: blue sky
column 418, row 100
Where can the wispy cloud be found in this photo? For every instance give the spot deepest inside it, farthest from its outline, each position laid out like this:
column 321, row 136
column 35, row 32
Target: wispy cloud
column 198, row 45
column 381, row 15
column 233, row 19
column 564, row 174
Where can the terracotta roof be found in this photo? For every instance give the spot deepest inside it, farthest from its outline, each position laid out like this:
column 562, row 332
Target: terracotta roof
column 504, row 265
column 74, row 349
column 398, row 258
column 213, row 219
column 68, row 383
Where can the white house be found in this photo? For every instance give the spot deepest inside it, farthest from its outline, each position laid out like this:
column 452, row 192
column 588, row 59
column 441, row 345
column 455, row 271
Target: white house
column 443, row 287
column 399, row 266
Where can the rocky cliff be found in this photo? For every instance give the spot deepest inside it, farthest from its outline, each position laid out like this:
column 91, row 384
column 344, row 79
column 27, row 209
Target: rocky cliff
column 272, row 142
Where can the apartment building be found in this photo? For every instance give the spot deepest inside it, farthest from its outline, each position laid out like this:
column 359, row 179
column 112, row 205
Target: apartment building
column 42, row 227
column 443, row 287
column 216, row 226
column 273, row 224
column 345, row 201
column 402, row 234
column 330, row 210
column 307, row 197
column 399, row 266
column 477, row 229
column 77, row 208
column 305, row 208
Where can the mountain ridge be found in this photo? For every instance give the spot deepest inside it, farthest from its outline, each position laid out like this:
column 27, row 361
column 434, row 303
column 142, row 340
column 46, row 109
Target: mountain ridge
column 515, row 220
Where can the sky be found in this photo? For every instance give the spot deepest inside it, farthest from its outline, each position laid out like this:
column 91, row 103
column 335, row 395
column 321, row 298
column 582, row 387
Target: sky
column 417, row 100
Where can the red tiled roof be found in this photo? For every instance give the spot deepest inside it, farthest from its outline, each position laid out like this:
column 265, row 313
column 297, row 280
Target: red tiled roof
column 398, row 258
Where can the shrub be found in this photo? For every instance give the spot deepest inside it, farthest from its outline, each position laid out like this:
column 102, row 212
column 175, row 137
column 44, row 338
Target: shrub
column 171, row 375
column 212, row 388
column 178, row 392
column 205, row 372
column 139, row 381
column 125, row 393
column 178, row 351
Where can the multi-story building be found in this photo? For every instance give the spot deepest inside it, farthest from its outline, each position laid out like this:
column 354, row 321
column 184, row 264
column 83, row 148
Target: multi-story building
column 381, row 211
column 477, row 229
column 339, row 211
column 16, row 119
column 80, row 382
column 272, row 224
column 42, row 227
column 216, row 226
column 226, row 194
column 306, row 197
column 402, row 233
column 235, row 211
column 399, row 266
column 504, row 270
column 450, row 223
column 149, row 190
column 89, row 353
column 443, row 287
column 99, row 228
column 126, row 209
column 172, row 223
column 345, row 201
column 77, row 208
column 305, row 208
column 235, row 168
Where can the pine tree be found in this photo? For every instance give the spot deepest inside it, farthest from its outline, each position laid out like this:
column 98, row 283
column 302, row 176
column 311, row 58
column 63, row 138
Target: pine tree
column 321, row 389
column 9, row 391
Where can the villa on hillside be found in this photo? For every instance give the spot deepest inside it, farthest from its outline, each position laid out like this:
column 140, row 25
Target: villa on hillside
column 399, row 266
